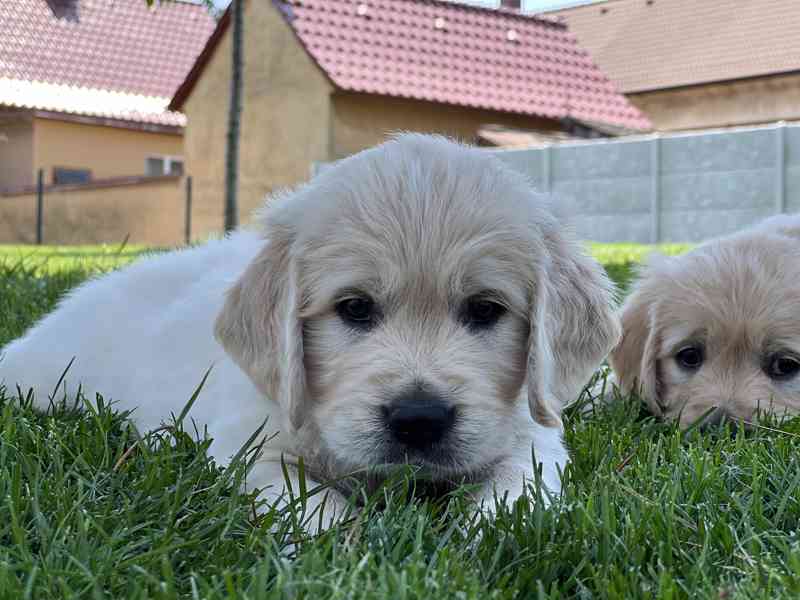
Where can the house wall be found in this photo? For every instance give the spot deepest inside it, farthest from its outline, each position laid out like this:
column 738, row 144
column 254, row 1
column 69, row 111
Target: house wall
column 292, row 118
column 744, row 102
column 16, row 153
column 106, row 151
column 285, row 117
column 149, row 211
column 361, row 121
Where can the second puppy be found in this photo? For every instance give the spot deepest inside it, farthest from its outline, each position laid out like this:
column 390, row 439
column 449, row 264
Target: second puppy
column 715, row 334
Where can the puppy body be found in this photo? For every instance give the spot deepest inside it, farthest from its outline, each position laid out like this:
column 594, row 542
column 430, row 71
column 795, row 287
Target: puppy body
column 143, row 338
column 415, row 304
column 716, row 331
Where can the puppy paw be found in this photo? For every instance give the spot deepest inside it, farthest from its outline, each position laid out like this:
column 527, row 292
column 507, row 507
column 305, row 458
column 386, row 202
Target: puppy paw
column 492, row 496
column 323, row 510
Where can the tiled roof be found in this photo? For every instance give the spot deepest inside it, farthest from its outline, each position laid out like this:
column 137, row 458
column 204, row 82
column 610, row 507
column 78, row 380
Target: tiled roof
column 109, row 58
column 90, row 102
column 655, row 44
column 454, row 54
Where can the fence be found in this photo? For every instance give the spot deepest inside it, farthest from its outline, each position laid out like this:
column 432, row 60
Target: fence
column 144, row 210
column 682, row 187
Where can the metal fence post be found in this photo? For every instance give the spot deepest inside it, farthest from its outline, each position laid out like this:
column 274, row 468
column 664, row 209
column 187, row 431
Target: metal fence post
column 547, row 182
column 39, row 206
column 655, row 189
column 188, row 216
column 780, row 167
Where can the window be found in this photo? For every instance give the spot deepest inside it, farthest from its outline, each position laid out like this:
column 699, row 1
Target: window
column 69, row 175
column 163, row 165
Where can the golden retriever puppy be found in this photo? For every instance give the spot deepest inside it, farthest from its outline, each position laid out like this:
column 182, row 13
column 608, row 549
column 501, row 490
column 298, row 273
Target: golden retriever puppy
column 715, row 334
column 415, row 304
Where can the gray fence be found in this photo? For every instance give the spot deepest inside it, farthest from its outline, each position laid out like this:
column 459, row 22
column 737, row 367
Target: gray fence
column 682, row 187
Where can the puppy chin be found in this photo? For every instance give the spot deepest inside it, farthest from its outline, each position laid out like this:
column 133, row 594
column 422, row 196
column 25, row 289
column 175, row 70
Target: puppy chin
column 373, row 451
column 711, row 413
column 435, row 473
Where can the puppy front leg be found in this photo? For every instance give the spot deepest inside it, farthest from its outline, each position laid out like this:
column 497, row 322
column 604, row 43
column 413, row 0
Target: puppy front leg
column 515, row 476
column 320, row 510
column 507, row 485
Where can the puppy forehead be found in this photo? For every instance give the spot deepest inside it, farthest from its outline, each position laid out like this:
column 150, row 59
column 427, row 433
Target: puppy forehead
column 742, row 293
column 441, row 267
column 443, row 226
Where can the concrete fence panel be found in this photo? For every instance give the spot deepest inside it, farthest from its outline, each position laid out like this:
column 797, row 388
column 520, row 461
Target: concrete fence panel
column 683, row 187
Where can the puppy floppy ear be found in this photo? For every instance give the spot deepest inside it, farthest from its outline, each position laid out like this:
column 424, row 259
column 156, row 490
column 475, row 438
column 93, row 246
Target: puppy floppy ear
column 573, row 329
column 634, row 358
column 259, row 327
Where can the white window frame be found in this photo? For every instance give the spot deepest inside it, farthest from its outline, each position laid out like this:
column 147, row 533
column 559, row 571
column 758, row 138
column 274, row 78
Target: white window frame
column 167, row 160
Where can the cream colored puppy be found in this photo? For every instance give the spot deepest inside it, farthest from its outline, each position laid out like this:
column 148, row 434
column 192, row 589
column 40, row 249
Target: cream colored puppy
column 715, row 333
column 414, row 304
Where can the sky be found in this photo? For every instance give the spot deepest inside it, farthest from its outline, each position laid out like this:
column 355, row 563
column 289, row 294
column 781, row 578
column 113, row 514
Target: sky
column 528, row 5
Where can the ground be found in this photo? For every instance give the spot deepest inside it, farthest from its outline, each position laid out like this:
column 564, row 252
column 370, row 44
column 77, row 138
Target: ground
column 87, row 510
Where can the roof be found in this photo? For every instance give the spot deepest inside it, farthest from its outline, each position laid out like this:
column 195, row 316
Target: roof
column 718, row 41
column 107, row 58
column 508, row 137
column 449, row 53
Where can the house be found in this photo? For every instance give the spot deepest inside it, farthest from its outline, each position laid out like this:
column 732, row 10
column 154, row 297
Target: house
column 84, row 87
column 325, row 79
column 691, row 65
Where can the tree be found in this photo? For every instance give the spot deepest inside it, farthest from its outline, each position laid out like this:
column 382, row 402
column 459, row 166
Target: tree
column 234, row 112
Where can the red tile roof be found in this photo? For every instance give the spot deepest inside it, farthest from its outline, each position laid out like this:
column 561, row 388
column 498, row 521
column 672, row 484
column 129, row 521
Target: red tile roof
column 118, row 46
column 451, row 53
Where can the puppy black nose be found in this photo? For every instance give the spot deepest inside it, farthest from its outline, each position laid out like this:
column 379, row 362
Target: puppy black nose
column 419, row 419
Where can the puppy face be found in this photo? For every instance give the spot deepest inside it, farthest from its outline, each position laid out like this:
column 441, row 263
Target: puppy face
column 416, row 338
column 415, row 304
column 715, row 334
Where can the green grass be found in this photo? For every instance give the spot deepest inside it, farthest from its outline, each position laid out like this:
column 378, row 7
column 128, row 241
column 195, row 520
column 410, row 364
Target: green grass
column 88, row 510
column 621, row 260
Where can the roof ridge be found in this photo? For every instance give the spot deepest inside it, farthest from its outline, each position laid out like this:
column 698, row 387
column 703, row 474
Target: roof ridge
column 510, row 12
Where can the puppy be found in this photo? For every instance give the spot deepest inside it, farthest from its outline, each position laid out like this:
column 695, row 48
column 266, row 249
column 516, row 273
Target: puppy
column 715, row 334
column 413, row 305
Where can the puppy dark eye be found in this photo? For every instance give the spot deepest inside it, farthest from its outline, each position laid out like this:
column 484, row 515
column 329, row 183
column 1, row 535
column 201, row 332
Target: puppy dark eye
column 358, row 311
column 783, row 366
column 690, row 358
column 481, row 312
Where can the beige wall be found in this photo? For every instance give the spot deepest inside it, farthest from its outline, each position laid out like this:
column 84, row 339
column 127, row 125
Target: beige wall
column 745, row 102
column 361, row 121
column 16, row 153
column 284, row 118
column 106, row 151
column 148, row 212
column 291, row 118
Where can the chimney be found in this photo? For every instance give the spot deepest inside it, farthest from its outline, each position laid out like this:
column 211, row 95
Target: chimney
column 511, row 4
column 68, row 10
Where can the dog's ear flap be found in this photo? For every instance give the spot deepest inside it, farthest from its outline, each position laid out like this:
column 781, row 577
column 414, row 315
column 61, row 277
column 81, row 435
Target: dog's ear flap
column 634, row 358
column 259, row 328
column 573, row 329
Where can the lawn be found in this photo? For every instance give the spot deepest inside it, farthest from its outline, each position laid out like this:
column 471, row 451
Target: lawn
column 89, row 511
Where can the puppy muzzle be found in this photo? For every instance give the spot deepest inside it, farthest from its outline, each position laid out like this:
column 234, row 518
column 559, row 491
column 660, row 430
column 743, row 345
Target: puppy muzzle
column 418, row 420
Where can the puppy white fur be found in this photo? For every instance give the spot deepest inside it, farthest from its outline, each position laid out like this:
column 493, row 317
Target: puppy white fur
column 715, row 333
column 419, row 273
